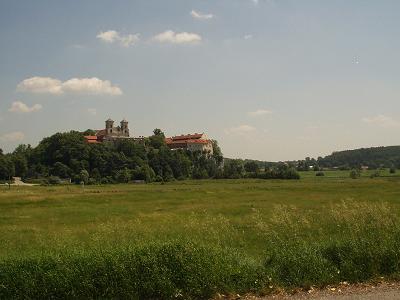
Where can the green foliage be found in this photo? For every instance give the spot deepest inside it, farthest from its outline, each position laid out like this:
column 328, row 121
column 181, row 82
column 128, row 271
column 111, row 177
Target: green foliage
column 89, row 132
column 355, row 173
column 251, row 167
column 180, row 270
column 298, row 247
column 65, row 155
column 319, row 173
column 376, row 173
column 123, row 176
column 84, row 177
column 354, row 242
column 234, row 168
column 61, row 170
column 54, row 180
column 371, row 157
column 157, row 140
column 7, row 168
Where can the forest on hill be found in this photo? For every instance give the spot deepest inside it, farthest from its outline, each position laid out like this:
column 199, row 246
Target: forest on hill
column 373, row 158
column 69, row 156
column 65, row 157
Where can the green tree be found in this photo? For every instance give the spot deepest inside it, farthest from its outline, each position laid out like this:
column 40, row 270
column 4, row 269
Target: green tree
column 123, row 176
column 84, row 176
column 355, row 173
column 157, row 140
column 20, row 165
column 7, row 169
column 251, row 167
column 234, row 168
column 61, row 170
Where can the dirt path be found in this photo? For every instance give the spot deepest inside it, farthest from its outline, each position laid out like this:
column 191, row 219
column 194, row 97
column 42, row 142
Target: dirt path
column 19, row 182
column 381, row 291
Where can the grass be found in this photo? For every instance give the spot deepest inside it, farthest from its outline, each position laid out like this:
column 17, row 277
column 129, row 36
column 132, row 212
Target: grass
column 193, row 239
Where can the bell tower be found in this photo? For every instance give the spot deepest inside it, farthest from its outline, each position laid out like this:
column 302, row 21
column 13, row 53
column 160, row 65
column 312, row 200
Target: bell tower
column 125, row 128
column 109, row 126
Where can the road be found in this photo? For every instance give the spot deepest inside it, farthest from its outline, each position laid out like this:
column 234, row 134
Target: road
column 381, row 291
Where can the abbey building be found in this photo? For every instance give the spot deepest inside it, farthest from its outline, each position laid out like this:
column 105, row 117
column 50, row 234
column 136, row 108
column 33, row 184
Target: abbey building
column 191, row 142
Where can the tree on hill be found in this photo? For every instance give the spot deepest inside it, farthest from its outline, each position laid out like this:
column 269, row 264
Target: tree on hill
column 157, row 140
column 371, row 157
column 251, row 167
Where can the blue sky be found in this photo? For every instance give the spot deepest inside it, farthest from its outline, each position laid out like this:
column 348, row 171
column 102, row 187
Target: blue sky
column 269, row 79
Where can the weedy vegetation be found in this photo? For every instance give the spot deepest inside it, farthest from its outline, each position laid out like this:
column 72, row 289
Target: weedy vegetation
column 194, row 239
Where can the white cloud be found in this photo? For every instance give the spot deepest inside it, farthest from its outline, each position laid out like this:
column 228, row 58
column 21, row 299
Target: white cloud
column 41, row 85
column 20, row 107
column 255, row 1
column 170, row 36
column 92, row 111
column 240, row 130
column 259, row 112
column 382, row 121
column 112, row 36
column 200, row 16
column 12, row 137
column 248, row 37
column 89, row 86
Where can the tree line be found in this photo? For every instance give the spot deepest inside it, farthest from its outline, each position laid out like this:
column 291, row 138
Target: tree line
column 68, row 156
column 374, row 158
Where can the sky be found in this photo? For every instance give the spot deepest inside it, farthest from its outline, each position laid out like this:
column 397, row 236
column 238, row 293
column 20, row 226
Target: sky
column 269, row 79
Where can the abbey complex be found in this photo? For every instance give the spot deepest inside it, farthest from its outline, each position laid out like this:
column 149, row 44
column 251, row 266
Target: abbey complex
column 191, row 142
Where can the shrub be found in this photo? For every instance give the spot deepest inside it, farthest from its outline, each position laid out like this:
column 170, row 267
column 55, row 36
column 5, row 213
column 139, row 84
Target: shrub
column 392, row 170
column 158, row 271
column 123, row 176
column 375, row 174
column 355, row 173
column 54, row 180
column 159, row 179
column 320, row 173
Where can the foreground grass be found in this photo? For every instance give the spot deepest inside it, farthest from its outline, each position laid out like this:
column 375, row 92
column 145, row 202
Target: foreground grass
column 194, row 239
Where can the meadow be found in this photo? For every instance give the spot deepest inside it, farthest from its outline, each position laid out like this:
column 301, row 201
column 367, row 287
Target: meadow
column 193, row 239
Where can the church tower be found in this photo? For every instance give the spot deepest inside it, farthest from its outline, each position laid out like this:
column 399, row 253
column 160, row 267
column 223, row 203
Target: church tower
column 109, row 126
column 124, row 128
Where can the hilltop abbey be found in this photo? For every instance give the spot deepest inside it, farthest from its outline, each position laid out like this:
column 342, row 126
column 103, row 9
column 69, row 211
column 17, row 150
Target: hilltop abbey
column 191, row 142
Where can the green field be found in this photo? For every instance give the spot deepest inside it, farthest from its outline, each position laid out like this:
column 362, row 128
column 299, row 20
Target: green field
column 217, row 235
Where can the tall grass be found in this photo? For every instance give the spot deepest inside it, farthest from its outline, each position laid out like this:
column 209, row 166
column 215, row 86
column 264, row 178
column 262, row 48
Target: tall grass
column 352, row 242
column 347, row 242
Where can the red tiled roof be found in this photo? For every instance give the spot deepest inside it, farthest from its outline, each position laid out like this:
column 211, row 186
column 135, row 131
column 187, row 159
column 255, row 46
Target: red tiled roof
column 91, row 139
column 188, row 136
column 184, row 142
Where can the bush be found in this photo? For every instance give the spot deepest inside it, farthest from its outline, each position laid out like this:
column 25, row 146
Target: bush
column 54, row 180
column 41, row 181
column 355, row 173
column 392, row 170
column 92, row 181
column 159, row 179
column 375, row 174
column 123, row 176
column 158, row 271
column 320, row 173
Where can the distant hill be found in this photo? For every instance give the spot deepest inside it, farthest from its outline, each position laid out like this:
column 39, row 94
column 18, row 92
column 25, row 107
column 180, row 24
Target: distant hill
column 374, row 157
